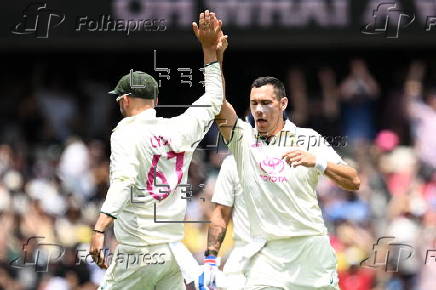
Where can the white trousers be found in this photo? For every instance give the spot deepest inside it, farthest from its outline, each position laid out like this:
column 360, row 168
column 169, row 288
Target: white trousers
column 149, row 268
column 304, row 263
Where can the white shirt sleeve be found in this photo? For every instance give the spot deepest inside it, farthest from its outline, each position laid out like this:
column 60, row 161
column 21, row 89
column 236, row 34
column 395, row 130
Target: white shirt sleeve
column 192, row 125
column 225, row 185
column 124, row 168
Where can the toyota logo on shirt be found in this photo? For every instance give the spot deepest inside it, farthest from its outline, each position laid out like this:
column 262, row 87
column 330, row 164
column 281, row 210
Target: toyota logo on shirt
column 272, row 165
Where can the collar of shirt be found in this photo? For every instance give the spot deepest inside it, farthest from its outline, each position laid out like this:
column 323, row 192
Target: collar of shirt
column 288, row 128
column 144, row 115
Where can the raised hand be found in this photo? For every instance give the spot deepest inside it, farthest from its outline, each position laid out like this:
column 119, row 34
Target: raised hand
column 208, row 30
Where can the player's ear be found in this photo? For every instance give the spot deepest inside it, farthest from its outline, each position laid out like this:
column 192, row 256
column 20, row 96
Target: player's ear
column 156, row 101
column 284, row 103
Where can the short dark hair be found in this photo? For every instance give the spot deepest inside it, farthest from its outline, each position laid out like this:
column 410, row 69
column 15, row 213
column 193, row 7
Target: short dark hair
column 278, row 86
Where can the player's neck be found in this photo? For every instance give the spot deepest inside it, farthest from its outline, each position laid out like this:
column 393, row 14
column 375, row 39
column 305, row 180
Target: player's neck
column 138, row 110
column 280, row 126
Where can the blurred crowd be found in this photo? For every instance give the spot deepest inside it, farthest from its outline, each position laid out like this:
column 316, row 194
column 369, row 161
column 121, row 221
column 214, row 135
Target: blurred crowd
column 54, row 177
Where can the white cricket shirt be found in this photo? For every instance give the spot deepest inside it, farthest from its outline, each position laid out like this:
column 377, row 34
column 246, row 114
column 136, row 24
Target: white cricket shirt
column 149, row 165
column 228, row 192
column 281, row 201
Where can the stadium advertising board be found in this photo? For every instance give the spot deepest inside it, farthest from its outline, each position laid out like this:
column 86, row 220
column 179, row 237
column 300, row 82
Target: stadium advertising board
column 115, row 24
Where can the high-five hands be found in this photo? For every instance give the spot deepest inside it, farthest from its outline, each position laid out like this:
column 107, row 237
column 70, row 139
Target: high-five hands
column 208, row 31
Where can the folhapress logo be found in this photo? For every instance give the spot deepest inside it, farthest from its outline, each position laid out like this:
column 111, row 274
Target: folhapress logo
column 38, row 255
column 387, row 20
column 38, row 20
column 388, row 255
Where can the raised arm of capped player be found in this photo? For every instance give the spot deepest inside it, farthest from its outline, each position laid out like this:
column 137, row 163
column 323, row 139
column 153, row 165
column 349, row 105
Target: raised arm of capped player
column 192, row 125
column 207, row 31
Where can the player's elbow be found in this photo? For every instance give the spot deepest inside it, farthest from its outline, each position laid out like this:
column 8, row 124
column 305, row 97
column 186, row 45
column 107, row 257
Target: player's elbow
column 226, row 120
column 355, row 184
column 221, row 215
column 351, row 182
column 218, row 221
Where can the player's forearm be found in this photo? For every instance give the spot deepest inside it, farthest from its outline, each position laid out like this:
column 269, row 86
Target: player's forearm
column 220, row 58
column 103, row 222
column 217, row 231
column 215, row 237
column 227, row 116
column 213, row 96
column 209, row 54
column 344, row 176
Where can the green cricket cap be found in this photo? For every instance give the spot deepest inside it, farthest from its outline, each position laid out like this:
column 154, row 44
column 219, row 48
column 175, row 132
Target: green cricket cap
column 138, row 84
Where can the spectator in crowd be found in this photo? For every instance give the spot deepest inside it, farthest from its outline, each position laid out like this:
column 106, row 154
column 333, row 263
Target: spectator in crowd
column 358, row 93
column 421, row 105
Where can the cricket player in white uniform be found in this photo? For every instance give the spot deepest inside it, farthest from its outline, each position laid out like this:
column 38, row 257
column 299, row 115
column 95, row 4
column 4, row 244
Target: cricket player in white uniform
column 150, row 159
column 279, row 166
